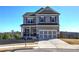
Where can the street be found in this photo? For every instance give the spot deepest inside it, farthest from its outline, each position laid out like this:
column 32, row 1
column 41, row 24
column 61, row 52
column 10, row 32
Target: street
column 46, row 50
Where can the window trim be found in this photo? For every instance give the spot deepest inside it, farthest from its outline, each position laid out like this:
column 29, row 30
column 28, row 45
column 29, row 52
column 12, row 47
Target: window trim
column 31, row 21
column 44, row 21
column 53, row 19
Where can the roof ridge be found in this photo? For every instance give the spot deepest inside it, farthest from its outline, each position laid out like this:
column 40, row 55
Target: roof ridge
column 39, row 10
column 45, row 10
column 48, row 9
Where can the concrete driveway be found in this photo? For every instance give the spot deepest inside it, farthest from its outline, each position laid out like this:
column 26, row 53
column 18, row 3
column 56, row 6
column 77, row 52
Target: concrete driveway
column 45, row 44
column 53, row 43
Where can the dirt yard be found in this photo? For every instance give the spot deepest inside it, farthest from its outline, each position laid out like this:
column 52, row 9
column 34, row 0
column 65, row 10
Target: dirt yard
column 72, row 41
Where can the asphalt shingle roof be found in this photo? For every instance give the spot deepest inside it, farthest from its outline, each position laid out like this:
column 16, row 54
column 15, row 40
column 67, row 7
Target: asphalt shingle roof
column 46, row 10
column 28, row 13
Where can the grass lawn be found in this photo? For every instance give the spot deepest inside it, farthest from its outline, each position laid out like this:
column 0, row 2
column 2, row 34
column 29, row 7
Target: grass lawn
column 72, row 41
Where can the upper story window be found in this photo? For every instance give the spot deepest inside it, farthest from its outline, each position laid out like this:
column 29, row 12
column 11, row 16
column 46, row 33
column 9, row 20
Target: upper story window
column 30, row 20
column 53, row 19
column 41, row 19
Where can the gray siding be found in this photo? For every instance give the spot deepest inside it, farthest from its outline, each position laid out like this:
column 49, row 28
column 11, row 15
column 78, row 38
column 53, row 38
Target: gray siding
column 47, row 17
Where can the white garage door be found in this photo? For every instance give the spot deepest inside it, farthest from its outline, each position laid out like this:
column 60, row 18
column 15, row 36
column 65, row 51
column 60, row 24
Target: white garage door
column 45, row 34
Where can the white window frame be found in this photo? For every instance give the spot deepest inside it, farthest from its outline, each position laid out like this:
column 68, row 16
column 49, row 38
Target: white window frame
column 30, row 20
column 54, row 19
column 44, row 19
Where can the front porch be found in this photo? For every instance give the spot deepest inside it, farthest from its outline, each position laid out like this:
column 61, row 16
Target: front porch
column 29, row 33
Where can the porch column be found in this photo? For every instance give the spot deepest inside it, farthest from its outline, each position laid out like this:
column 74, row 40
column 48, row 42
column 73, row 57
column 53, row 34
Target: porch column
column 21, row 31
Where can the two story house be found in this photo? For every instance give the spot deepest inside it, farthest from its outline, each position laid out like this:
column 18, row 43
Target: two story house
column 40, row 25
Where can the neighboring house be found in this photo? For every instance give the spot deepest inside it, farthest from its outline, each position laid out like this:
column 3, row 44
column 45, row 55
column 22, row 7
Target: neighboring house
column 40, row 25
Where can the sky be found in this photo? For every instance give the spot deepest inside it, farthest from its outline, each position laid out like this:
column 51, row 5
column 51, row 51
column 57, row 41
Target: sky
column 11, row 17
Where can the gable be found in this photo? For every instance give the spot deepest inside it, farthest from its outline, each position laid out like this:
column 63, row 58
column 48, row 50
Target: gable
column 48, row 10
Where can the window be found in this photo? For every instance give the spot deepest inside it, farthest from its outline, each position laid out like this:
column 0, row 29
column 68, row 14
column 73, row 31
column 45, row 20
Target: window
column 33, row 31
column 27, row 32
column 42, row 19
column 50, row 33
column 25, row 20
column 52, row 19
column 45, row 32
column 41, row 32
column 30, row 20
column 54, row 32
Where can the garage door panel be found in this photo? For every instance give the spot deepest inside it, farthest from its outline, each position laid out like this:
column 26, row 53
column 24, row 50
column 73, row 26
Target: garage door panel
column 50, row 36
column 41, row 36
column 47, row 34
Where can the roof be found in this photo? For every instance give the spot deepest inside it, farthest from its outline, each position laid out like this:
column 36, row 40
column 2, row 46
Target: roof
column 46, row 10
column 39, row 10
column 41, row 24
column 32, row 13
column 28, row 13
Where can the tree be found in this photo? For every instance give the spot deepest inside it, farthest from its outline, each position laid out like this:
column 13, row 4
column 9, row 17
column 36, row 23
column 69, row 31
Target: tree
column 5, row 36
column 0, row 36
column 9, row 35
column 12, row 36
column 17, row 36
